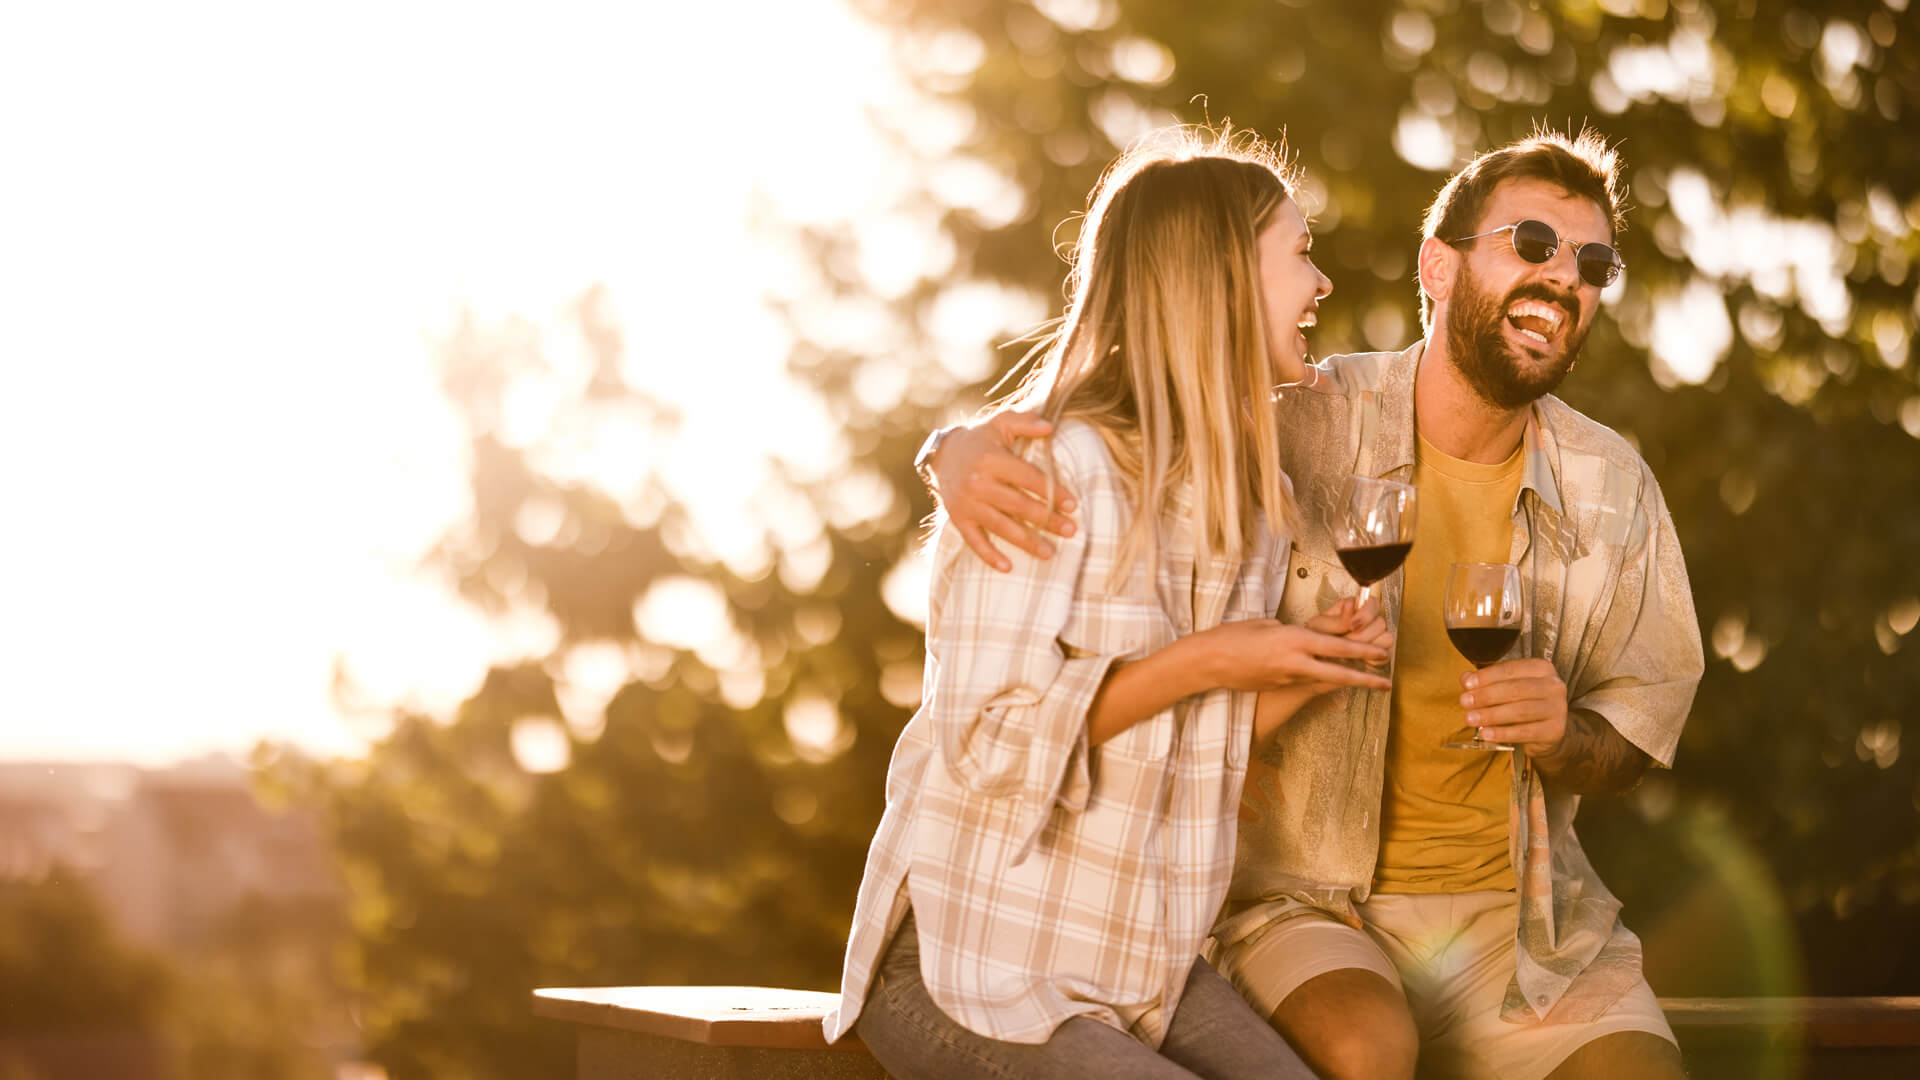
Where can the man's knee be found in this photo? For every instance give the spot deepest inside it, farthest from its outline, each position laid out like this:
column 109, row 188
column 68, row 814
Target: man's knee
column 1640, row 1055
column 1350, row 1024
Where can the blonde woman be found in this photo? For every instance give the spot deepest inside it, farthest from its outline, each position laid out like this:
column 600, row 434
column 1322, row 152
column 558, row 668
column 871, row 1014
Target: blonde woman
column 1059, row 831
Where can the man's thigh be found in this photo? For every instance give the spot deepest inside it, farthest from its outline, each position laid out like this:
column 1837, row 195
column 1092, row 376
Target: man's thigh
column 1457, row 994
column 1331, row 993
column 1350, row 1024
column 1623, row 1054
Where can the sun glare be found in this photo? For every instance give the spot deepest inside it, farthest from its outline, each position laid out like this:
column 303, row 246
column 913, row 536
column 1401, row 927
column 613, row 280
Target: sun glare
column 245, row 228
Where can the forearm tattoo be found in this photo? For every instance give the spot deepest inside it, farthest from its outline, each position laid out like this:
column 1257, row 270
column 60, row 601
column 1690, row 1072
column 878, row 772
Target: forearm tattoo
column 1593, row 759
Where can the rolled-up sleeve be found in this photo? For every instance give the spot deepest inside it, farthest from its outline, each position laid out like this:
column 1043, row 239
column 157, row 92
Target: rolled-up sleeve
column 1647, row 661
column 1017, row 657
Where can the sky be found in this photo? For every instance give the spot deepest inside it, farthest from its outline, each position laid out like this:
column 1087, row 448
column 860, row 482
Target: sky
column 231, row 236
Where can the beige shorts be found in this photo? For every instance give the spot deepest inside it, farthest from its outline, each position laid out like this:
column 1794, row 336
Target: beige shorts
column 1452, row 956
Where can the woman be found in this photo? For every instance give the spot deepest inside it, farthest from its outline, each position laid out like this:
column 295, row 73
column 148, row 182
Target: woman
column 1060, row 812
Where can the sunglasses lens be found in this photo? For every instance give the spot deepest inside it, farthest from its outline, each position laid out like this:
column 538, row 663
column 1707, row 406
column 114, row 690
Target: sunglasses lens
column 1599, row 265
column 1535, row 241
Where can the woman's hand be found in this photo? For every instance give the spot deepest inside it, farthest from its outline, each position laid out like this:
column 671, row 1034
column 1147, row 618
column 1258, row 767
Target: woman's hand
column 1268, row 655
column 1359, row 625
column 988, row 490
column 1288, row 665
column 1354, row 622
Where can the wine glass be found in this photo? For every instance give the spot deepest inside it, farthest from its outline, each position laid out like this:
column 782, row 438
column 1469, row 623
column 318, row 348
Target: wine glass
column 1483, row 614
column 1374, row 529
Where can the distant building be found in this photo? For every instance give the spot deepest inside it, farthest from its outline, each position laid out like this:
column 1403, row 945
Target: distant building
column 169, row 852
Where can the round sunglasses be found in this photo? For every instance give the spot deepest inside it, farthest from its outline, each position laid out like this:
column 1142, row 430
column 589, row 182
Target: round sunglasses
column 1536, row 242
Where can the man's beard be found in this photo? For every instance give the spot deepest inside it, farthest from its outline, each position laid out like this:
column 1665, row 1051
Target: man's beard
column 1491, row 363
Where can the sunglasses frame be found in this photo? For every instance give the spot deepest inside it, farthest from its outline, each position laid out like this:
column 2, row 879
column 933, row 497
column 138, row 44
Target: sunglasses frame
column 1612, row 268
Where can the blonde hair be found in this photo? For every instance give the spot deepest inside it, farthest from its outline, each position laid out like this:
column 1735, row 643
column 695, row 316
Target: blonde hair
column 1163, row 347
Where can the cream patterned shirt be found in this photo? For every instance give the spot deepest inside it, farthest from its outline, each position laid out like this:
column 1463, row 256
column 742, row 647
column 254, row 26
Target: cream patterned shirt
column 1050, row 879
column 1609, row 605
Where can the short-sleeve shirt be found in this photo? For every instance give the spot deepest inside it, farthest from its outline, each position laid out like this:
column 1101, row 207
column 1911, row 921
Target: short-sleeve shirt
column 1608, row 604
column 1050, row 879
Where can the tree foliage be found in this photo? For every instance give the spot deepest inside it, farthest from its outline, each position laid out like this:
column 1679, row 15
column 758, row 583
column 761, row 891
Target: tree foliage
column 712, row 830
column 248, row 1001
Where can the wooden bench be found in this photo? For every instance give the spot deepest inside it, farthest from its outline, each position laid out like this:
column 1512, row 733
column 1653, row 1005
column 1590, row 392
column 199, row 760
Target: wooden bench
column 704, row 1033
column 741, row 1032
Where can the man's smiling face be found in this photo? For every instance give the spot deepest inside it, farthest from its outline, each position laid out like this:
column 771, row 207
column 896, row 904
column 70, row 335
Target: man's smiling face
column 1514, row 328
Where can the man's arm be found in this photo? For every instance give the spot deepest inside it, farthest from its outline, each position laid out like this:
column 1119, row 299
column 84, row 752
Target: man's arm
column 1592, row 758
column 987, row 490
column 1524, row 702
column 1645, row 660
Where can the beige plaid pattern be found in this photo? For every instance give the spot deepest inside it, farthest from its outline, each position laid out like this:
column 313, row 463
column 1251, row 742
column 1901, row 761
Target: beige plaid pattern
column 1049, row 879
column 1610, row 607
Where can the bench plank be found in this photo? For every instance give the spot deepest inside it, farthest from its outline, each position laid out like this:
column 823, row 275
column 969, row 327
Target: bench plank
column 709, row 1015
column 1824, row 1022
column 764, row 1033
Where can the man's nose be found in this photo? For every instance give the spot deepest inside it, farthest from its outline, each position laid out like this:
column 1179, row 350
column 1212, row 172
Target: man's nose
column 1563, row 267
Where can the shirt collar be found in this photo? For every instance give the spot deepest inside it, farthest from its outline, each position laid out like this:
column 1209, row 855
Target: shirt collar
column 1398, row 448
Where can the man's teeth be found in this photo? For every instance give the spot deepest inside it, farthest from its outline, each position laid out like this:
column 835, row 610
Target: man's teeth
column 1537, row 310
column 1547, row 316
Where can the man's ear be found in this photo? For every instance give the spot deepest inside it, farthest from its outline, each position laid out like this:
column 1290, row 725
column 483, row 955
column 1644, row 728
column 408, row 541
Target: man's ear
column 1439, row 261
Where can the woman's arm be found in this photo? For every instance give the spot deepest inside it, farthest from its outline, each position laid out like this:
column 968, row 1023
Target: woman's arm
column 1363, row 625
column 1262, row 655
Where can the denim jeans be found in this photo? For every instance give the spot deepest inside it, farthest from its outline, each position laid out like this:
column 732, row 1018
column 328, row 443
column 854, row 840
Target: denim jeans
column 1214, row 1034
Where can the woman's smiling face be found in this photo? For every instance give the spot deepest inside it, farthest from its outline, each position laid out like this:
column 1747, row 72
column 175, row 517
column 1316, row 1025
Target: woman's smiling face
column 1291, row 289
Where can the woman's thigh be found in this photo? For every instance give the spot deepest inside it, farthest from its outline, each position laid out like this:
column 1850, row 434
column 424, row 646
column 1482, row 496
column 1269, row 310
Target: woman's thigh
column 913, row 1040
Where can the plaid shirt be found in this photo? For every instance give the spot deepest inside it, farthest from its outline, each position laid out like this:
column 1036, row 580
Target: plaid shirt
column 1610, row 607
column 1050, row 879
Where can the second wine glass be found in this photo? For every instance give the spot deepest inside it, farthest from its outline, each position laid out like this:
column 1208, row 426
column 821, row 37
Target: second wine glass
column 1483, row 614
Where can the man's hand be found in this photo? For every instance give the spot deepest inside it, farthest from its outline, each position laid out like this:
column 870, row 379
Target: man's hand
column 988, row 490
column 1524, row 702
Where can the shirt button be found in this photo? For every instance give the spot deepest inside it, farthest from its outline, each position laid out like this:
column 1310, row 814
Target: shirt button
column 1300, row 573
column 1541, row 1001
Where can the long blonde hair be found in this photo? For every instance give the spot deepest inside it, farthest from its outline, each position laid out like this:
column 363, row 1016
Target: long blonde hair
column 1163, row 347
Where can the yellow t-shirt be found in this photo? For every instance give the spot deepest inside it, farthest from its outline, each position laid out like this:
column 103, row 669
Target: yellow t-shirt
column 1444, row 813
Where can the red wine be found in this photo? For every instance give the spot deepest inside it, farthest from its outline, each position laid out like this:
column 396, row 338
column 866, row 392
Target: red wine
column 1370, row 564
column 1483, row 644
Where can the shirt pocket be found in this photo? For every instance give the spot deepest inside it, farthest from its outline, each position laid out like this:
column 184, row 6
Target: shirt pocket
column 1313, row 584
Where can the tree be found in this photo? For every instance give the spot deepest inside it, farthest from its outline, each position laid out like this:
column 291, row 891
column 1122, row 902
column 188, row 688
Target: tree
column 77, row 999
column 711, row 822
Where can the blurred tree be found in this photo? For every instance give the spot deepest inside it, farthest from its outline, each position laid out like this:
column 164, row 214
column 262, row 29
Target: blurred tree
column 76, row 1000
column 712, row 817
column 679, row 785
column 63, row 968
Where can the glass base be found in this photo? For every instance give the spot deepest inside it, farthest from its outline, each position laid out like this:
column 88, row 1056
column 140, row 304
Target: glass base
column 1469, row 740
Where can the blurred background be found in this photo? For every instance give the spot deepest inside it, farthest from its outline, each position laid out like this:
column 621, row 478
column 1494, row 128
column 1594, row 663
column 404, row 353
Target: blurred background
column 461, row 530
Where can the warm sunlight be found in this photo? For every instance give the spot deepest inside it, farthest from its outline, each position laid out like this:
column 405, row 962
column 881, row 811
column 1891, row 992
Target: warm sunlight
column 233, row 235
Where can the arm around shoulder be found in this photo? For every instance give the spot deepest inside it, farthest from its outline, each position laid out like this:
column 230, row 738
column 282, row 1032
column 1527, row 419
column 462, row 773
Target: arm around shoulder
column 990, row 492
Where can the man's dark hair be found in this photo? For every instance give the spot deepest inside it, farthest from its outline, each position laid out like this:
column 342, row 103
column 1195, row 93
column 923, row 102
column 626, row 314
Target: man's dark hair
column 1582, row 165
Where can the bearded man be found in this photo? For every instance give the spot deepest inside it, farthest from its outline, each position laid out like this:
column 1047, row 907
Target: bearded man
column 1397, row 903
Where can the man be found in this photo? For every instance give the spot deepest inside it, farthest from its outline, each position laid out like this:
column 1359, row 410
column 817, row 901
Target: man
column 1394, row 901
